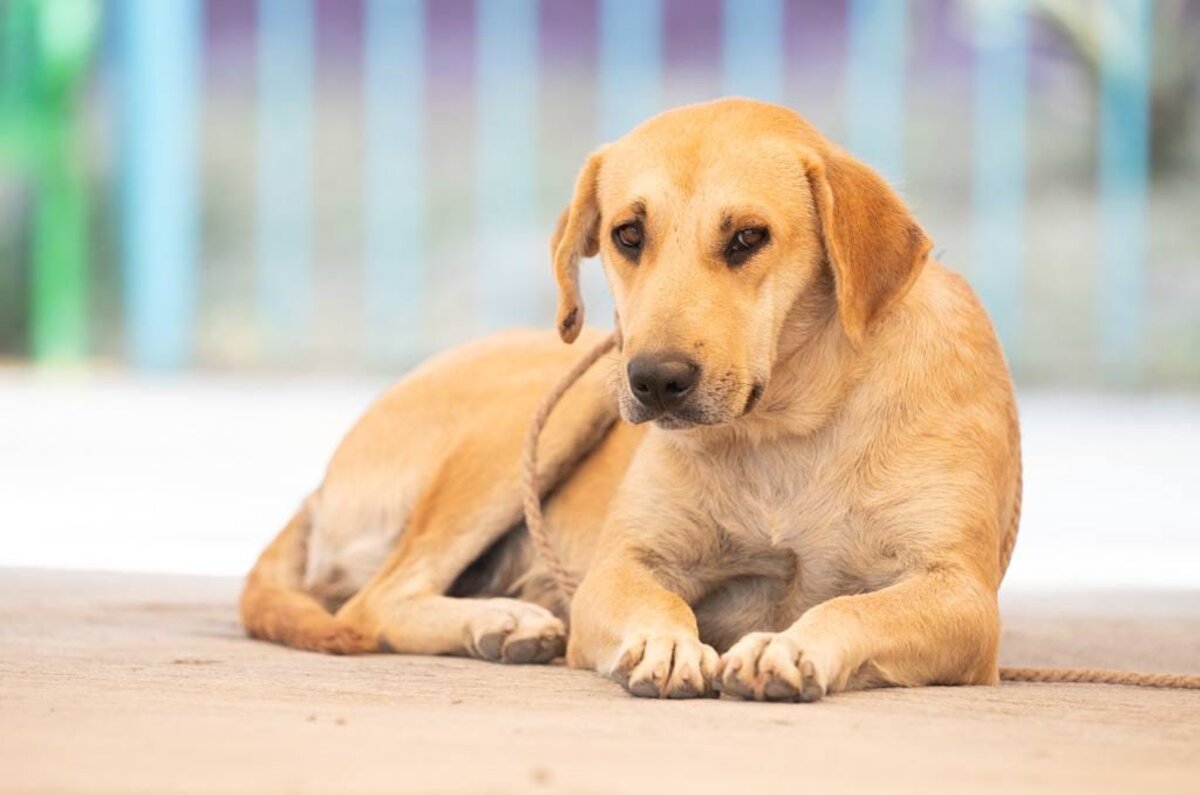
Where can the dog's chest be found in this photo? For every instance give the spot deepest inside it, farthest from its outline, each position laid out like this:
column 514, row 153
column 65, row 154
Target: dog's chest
column 790, row 501
column 777, row 497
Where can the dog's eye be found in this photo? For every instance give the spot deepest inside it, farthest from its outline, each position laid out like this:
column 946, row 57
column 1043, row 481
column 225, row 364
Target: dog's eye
column 745, row 243
column 628, row 236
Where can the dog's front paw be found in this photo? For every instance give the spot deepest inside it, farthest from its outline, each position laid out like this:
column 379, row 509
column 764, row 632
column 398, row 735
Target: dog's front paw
column 665, row 666
column 770, row 666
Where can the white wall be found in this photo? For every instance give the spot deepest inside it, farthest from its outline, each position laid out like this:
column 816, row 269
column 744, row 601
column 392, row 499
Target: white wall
column 195, row 474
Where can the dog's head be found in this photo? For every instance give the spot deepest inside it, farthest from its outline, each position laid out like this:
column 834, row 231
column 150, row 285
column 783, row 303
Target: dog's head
column 720, row 226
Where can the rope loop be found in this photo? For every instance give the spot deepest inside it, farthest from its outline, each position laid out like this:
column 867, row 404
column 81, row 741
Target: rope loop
column 530, row 487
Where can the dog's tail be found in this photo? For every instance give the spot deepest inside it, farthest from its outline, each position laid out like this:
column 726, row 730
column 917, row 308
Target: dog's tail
column 275, row 607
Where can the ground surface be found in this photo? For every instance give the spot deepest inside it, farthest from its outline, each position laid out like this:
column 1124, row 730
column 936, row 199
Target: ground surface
column 137, row 683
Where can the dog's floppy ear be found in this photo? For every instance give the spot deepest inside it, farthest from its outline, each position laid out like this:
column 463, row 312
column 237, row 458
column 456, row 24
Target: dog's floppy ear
column 873, row 243
column 576, row 236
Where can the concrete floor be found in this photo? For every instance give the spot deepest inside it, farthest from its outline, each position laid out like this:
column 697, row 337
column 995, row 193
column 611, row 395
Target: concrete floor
column 139, row 683
column 143, row 683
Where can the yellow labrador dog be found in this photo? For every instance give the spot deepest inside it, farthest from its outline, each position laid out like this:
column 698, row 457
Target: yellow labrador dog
column 815, row 487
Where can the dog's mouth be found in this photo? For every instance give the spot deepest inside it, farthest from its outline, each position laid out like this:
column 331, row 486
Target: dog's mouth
column 756, row 393
column 690, row 414
column 678, row 419
column 671, row 422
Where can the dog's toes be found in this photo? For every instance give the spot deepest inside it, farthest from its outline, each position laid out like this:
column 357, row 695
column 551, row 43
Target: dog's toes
column 515, row 632
column 520, row 650
column 535, row 641
column 780, row 690
column 738, row 670
column 489, row 644
column 665, row 667
column 813, row 690
column 772, row 667
column 552, row 646
column 528, row 649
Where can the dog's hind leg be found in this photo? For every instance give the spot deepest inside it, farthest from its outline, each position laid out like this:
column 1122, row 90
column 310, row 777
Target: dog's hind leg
column 468, row 507
column 496, row 629
column 470, row 502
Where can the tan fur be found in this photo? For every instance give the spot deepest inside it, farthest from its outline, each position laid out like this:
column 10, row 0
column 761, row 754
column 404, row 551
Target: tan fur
column 420, row 488
column 835, row 507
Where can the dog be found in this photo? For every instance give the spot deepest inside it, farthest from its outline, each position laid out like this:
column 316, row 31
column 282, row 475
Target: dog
column 809, row 480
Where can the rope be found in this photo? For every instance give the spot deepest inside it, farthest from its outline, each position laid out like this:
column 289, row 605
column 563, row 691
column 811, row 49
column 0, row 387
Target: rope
column 1099, row 676
column 566, row 583
column 529, row 481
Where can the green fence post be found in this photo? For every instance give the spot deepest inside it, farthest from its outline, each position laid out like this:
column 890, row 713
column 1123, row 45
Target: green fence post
column 59, row 320
column 48, row 46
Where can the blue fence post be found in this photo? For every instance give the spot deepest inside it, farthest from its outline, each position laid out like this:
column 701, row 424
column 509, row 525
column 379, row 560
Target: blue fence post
column 878, row 32
column 1125, row 44
column 285, row 74
column 629, row 91
column 998, row 165
column 510, row 254
column 159, row 82
column 630, row 64
column 394, row 177
column 752, row 49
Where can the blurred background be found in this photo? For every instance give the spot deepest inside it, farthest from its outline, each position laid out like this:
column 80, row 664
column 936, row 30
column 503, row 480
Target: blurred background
column 225, row 224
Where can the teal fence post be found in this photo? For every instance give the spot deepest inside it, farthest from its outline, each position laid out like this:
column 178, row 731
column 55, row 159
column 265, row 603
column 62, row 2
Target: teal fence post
column 1125, row 45
column 160, row 58
column 752, row 49
column 394, row 177
column 508, row 257
column 285, row 120
column 878, row 32
column 998, row 165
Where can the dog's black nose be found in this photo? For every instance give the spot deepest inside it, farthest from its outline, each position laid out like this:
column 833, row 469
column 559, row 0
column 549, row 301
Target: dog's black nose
column 661, row 381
